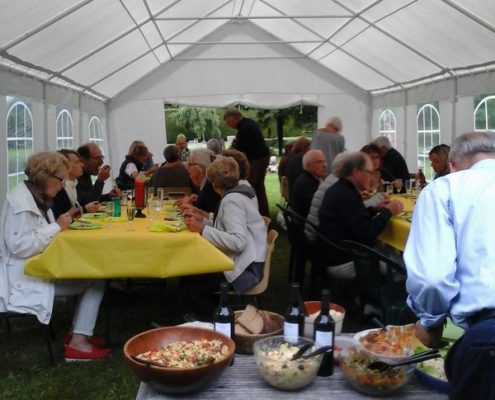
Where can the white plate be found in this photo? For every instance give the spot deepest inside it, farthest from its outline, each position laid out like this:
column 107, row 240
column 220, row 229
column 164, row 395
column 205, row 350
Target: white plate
column 381, row 356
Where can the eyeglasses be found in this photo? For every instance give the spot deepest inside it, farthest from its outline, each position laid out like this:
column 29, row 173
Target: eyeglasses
column 97, row 157
column 62, row 180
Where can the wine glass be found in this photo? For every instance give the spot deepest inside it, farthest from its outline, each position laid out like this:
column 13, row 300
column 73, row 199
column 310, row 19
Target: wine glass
column 130, row 216
column 398, row 185
column 159, row 194
column 409, row 185
column 109, row 210
column 151, row 209
column 390, row 188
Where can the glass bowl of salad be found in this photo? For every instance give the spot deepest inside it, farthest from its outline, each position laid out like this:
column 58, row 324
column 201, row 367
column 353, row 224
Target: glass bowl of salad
column 354, row 363
column 273, row 358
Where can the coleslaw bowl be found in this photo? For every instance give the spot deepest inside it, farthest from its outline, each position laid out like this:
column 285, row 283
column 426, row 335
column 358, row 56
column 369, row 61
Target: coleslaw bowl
column 175, row 380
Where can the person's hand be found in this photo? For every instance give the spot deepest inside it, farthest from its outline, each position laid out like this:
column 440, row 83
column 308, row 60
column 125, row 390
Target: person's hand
column 194, row 225
column 92, row 206
column 115, row 192
column 103, row 173
column 383, row 204
column 64, row 220
column 430, row 338
column 184, row 200
column 395, row 207
column 151, row 170
column 75, row 212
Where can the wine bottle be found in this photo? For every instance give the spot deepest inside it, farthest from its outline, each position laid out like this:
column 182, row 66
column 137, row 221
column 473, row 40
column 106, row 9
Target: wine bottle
column 324, row 334
column 223, row 318
column 294, row 316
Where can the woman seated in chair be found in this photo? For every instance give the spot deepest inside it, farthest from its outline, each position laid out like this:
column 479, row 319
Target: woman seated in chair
column 239, row 231
column 28, row 226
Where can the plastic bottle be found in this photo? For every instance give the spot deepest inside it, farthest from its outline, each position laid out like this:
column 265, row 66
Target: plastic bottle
column 294, row 316
column 324, row 334
column 139, row 191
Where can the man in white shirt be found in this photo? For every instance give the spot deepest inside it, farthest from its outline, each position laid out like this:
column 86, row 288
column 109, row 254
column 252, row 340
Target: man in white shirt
column 450, row 259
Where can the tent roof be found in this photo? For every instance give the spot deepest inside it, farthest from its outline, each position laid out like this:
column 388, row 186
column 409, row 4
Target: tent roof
column 100, row 47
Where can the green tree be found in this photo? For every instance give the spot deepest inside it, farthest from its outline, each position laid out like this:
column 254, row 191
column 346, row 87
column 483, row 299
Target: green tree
column 203, row 123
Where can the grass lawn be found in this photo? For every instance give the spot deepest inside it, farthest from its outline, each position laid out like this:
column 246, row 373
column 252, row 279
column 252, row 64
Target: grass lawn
column 25, row 372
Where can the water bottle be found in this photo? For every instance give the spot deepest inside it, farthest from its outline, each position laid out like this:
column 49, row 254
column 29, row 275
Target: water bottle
column 324, row 334
column 294, row 316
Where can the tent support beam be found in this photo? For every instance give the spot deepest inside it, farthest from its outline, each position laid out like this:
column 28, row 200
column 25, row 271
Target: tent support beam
column 470, row 15
column 148, row 9
column 258, row 17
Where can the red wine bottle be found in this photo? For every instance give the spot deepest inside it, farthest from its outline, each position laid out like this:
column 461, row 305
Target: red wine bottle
column 324, row 334
column 223, row 318
column 294, row 316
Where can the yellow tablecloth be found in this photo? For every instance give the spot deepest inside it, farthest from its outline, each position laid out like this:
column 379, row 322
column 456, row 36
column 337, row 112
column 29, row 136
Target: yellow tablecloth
column 397, row 230
column 116, row 253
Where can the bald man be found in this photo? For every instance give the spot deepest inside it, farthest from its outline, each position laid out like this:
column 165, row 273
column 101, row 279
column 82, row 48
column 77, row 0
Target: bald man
column 314, row 170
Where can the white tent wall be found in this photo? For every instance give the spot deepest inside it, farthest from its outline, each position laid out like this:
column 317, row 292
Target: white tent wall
column 456, row 109
column 280, row 79
column 44, row 100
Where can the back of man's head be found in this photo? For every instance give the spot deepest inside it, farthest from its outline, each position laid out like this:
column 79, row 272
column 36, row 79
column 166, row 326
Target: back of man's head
column 470, row 148
column 201, row 156
column 84, row 150
column 351, row 162
column 336, row 122
column 232, row 113
column 383, row 142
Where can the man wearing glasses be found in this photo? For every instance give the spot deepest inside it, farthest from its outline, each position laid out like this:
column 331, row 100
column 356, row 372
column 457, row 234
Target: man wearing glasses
column 89, row 194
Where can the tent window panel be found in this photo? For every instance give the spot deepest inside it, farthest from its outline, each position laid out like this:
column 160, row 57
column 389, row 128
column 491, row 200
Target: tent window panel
column 65, row 129
column 19, row 141
column 428, row 135
column 96, row 132
column 388, row 124
column 484, row 114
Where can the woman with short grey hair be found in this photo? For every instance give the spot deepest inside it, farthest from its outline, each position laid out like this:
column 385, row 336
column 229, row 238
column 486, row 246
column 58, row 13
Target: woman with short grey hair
column 239, row 231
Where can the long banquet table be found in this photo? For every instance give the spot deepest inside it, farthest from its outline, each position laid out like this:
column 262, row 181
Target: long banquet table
column 118, row 253
column 242, row 381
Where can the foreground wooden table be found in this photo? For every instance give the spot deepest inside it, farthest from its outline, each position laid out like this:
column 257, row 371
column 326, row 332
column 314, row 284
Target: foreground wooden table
column 242, row 381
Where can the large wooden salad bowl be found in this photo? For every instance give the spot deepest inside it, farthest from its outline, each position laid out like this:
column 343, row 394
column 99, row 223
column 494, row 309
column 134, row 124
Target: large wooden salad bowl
column 175, row 380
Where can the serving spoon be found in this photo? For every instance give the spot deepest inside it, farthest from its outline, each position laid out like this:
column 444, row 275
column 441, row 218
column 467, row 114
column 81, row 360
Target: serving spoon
column 301, row 350
column 382, row 366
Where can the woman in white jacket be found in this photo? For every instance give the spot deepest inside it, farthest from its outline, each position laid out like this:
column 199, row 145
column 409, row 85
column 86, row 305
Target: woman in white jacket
column 28, row 226
column 238, row 230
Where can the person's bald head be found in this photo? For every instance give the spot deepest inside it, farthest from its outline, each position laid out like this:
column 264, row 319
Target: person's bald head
column 315, row 163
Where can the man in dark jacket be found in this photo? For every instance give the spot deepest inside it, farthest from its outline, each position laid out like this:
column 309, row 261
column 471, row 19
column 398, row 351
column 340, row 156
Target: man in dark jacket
column 250, row 141
column 392, row 159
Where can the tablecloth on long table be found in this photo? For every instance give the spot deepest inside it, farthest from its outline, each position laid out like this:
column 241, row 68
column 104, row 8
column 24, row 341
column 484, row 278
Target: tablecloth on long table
column 117, row 253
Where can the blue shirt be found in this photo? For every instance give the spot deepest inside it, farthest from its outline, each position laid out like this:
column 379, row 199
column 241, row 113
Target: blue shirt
column 450, row 252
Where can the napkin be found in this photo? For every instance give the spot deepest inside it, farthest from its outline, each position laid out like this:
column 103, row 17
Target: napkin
column 170, row 226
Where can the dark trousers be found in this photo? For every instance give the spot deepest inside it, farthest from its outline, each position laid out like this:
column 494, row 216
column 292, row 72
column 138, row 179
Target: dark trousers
column 470, row 364
column 257, row 181
column 198, row 291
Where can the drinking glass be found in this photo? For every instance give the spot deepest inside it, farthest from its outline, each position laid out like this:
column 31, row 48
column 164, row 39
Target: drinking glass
column 409, row 185
column 150, row 193
column 390, row 188
column 130, row 216
column 159, row 194
column 151, row 209
column 398, row 185
column 109, row 211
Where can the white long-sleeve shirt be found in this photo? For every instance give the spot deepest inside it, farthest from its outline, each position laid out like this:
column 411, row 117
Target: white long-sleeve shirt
column 450, row 252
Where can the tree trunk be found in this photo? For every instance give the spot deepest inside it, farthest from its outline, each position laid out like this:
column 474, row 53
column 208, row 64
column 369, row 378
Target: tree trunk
column 280, row 133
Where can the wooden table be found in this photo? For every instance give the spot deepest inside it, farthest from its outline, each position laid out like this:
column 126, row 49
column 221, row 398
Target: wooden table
column 242, row 381
column 118, row 253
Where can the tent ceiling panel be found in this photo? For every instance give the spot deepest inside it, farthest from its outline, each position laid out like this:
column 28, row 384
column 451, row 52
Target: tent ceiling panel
column 388, row 56
column 109, row 59
column 19, row 17
column 442, row 33
column 378, row 44
column 354, row 71
column 78, row 33
column 127, row 75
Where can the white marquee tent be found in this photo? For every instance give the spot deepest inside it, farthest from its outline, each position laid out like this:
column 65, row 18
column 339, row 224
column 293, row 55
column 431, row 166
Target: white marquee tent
column 75, row 70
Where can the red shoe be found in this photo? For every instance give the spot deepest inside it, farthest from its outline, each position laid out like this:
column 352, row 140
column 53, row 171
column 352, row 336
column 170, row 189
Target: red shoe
column 72, row 354
column 94, row 340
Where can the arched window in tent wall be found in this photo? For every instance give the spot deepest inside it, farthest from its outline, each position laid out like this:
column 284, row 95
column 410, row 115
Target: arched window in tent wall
column 95, row 132
column 484, row 113
column 428, row 128
column 19, row 139
column 65, row 129
column 388, row 124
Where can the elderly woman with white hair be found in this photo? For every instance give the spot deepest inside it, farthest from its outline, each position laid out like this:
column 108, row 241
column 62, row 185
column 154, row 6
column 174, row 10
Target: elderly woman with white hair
column 27, row 227
column 329, row 140
column 238, row 230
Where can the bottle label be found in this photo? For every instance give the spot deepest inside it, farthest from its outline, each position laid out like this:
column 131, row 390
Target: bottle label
column 323, row 339
column 291, row 332
column 224, row 328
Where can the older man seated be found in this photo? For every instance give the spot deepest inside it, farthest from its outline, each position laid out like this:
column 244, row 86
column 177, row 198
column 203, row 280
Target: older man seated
column 343, row 216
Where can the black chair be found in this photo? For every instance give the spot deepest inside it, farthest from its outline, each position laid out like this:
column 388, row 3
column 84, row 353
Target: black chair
column 382, row 289
column 49, row 335
column 298, row 245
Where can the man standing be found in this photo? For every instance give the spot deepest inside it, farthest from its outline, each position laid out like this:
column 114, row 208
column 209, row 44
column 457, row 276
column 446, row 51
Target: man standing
column 89, row 194
column 250, row 141
column 315, row 169
column 329, row 140
column 181, row 143
column 392, row 160
column 450, row 259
